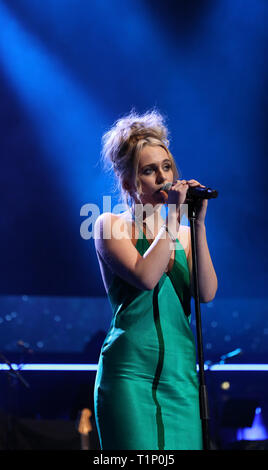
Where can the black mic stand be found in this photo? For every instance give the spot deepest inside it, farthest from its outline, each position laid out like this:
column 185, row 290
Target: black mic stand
column 12, row 373
column 203, row 397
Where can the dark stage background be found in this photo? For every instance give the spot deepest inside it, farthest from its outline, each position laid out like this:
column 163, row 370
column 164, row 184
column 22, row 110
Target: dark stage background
column 68, row 70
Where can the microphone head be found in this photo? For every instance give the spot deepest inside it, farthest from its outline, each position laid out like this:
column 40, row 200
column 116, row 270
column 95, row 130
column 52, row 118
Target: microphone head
column 166, row 187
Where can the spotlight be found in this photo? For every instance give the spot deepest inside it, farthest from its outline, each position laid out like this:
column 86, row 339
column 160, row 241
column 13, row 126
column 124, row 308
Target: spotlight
column 225, row 385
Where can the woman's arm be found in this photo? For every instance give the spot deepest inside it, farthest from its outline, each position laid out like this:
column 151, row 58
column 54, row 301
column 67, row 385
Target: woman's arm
column 113, row 242
column 207, row 279
column 208, row 283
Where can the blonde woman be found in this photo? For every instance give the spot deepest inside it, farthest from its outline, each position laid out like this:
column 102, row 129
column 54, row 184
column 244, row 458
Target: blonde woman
column 146, row 388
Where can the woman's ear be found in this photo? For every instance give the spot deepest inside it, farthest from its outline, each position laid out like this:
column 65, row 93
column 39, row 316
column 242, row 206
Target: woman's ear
column 130, row 187
column 126, row 185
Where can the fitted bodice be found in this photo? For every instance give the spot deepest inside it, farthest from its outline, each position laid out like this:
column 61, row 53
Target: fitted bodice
column 121, row 293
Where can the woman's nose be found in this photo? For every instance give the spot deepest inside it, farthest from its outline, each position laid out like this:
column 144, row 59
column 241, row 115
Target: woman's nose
column 160, row 177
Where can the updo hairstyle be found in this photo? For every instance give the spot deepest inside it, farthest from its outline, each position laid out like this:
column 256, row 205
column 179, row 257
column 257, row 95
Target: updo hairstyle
column 123, row 143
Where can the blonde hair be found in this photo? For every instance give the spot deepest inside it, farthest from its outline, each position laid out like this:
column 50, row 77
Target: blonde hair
column 123, row 143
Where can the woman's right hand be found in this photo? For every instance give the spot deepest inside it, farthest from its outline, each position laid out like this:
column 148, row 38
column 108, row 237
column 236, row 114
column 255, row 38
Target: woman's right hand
column 177, row 193
column 176, row 197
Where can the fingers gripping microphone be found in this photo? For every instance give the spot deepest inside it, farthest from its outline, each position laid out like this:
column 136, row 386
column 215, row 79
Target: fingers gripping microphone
column 166, row 187
column 195, row 192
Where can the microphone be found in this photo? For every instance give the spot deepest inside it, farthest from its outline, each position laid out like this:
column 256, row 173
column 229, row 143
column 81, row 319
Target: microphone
column 195, row 192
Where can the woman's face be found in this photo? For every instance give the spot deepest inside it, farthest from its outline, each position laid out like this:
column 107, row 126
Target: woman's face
column 154, row 170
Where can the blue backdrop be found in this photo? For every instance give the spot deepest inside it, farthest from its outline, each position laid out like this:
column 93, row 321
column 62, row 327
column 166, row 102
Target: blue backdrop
column 68, row 70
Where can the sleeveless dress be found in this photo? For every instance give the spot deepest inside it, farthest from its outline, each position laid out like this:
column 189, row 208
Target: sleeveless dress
column 146, row 393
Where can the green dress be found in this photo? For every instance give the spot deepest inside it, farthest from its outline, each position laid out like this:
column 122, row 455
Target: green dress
column 146, row 389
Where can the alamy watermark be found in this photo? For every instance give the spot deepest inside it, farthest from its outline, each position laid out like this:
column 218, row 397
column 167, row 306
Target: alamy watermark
column 121, row 227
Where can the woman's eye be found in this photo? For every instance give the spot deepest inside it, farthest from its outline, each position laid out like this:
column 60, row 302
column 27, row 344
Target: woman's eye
column 148, row 171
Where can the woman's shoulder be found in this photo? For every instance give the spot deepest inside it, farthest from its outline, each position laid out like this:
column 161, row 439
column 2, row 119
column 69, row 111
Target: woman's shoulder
column 111, row 216
column 109, row 223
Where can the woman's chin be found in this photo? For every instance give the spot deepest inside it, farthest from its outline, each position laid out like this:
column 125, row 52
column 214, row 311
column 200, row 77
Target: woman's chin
column 161, row 196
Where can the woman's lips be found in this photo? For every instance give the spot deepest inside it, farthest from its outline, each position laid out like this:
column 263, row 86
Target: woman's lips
column 161, row 193
column 160, row 190
column 169, row 183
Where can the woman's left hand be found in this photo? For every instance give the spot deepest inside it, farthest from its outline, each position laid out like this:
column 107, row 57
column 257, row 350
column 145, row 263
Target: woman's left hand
column 201, row 206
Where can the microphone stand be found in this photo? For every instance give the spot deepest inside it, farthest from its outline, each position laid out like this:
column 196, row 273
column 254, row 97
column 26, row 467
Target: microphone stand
column 203, row 397
column 10, row 420
column 13, row 371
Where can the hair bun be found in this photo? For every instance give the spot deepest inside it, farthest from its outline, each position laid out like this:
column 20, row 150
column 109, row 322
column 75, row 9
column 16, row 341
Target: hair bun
column 127, row 137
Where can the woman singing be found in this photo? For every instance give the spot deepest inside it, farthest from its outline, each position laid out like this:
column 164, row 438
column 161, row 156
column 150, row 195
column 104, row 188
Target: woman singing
column 146, row 389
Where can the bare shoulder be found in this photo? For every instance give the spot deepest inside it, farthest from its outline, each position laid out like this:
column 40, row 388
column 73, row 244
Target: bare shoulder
column 115, row 249
column 109, row 226
column 106, row 217
column 103, row 220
